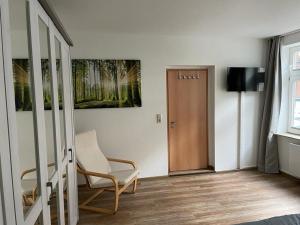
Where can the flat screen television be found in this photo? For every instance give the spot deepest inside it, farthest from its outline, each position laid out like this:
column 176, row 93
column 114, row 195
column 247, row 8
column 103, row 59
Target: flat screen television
column 245, row 79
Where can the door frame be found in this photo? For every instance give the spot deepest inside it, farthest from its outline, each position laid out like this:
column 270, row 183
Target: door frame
column 210, row 110
column 7, row 206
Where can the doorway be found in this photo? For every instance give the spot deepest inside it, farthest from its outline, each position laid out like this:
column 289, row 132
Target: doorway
column 187, row 93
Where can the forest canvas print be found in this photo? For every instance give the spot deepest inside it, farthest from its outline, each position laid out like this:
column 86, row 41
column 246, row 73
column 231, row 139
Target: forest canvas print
column 106, row 83
column 22, row 84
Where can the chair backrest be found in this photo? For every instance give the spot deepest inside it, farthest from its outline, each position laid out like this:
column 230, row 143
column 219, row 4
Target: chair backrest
column 89, row 156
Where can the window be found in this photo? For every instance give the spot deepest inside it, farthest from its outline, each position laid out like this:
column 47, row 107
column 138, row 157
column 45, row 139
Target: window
column 296, row 60
column 294, row 90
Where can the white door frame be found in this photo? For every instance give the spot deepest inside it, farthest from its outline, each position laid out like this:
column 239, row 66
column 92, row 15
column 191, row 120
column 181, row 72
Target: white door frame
column 7, row 215
column 70, row 140
column 13, row 165
column 37, row 208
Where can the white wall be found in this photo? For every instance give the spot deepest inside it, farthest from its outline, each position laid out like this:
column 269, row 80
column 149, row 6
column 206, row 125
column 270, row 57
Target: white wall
column 132, row 133
column 251, row 106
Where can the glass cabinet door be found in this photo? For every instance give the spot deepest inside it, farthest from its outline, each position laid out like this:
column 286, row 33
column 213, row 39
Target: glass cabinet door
column 26, row 136
column 38, row 100
column 57, row 103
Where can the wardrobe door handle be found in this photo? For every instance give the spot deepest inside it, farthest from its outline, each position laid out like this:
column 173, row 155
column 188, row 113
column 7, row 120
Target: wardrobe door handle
column 71, row 150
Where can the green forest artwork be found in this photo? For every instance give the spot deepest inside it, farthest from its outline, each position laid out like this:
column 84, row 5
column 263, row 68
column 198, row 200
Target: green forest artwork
column 22, row 84
column 96, row 83
column 106, row 83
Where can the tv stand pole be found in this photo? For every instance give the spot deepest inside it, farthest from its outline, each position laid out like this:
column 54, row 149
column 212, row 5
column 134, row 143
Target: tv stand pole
column 240, row 113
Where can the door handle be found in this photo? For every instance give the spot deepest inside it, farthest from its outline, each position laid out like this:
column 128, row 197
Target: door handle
column 172, row 124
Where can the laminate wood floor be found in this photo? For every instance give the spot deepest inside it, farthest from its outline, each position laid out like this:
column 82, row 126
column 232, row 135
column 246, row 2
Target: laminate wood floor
column 225, row 198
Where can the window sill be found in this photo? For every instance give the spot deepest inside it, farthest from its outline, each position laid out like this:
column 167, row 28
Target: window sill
column 289, row 135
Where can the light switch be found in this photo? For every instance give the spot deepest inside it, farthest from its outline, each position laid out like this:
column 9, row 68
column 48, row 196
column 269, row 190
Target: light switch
column 158, row 118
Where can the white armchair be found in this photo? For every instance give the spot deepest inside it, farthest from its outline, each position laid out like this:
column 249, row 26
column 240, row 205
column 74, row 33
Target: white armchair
column 97, row 171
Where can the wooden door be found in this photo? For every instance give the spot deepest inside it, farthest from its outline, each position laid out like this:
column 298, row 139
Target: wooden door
column 187, row 119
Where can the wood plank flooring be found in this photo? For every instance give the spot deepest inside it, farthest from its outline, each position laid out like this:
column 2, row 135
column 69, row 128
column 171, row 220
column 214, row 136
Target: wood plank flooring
column 219, row 199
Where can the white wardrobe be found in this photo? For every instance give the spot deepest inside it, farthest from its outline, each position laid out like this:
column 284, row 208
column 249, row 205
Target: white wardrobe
column 37, row 158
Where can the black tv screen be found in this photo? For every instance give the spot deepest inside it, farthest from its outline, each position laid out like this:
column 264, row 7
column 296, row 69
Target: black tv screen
column 244, row 79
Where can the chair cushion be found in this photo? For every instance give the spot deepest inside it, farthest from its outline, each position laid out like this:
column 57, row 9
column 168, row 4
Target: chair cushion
column 89, row 155
column 29, row 181
column 123, row 177
column 28, row 186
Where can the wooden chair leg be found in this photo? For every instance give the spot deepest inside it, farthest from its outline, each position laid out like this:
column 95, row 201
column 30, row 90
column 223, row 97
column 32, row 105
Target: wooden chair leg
column 134, row 185
column 117, row 192
column 28, row 200
column 85, row 206
column 116, row 201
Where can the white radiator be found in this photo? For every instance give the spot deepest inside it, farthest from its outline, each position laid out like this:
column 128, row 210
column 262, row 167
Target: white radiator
column 294, row 160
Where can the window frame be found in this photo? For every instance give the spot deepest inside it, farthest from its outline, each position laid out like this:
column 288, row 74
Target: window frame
column 294, row 76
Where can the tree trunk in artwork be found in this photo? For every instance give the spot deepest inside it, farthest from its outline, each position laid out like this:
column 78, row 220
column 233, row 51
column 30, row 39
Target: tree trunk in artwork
column 18, row 87
column 101, row 85
column 27, row 101
column 95, row 81
column 116, row 81
column 119, row 74
column 103, row 81
column 90, row 76
column 83, row 78
column 123, row 80
column 136, row 91
column 129, row 83
column 75, row 80
column 99, row 81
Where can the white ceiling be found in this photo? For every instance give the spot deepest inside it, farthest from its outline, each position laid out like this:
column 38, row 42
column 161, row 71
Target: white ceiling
column 251, row 18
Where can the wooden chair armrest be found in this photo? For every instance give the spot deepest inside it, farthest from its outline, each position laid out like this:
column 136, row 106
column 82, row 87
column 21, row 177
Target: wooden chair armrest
column 33, row 170
column 27, row 172
column 94, row 174
column 122, row 161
